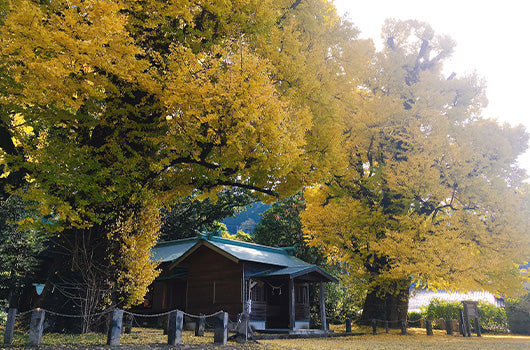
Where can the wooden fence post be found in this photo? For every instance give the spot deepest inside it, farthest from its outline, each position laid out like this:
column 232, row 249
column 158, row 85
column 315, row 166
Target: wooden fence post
column 10, row 325
column 36, row 327
column 374, row 327
column 113, row 336
column 174, row 329
column 348, row 325
column 428, row 327
column 449, row 326
column 221, row 328
column 199, row 326
column 387, row 328
column 403, row 327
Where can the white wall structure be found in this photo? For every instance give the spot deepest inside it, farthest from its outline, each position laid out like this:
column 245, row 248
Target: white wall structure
column 422, row 298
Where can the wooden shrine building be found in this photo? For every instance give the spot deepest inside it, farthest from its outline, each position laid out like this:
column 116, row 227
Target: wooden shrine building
column 206, row 274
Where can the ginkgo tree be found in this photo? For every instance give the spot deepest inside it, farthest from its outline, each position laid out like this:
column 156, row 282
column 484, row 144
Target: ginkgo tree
column 120, row 107
column 432, row 194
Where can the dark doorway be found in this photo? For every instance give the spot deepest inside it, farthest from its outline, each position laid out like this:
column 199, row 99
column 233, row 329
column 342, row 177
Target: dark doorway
column 277, row 305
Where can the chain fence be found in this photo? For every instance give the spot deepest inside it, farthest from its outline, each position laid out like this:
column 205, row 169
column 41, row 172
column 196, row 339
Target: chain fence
column 173, row 322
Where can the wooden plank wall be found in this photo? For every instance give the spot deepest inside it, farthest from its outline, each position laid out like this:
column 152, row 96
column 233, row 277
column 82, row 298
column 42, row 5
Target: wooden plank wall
column 214, row 283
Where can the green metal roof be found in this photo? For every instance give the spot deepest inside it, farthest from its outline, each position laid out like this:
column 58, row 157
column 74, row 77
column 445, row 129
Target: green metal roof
column 257, row 253
column 173, row 251
column 297, row 271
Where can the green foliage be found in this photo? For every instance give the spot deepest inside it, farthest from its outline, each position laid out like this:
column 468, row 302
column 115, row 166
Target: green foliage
column 518, row 314
column 342, row 302
column 414, row 316
column 492, row 318
column 439, row 308
column 280, row 226
column 193, row 214
column 239, row 236
column 19, row 245
column 3, row 311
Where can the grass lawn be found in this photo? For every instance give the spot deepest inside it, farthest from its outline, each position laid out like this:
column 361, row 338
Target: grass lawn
column 416, row 339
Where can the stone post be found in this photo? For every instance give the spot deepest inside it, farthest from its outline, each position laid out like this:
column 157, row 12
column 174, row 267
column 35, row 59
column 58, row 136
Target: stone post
column 113, row 336
column 428, row 327
column 374, row 327
column 461, row 324
column 165, row 322
column 403, row 327
column 127, row 329
column 221, row 328
column 199, row 326
column 10, row 325
column 36, row 327
column 449, row 326
column 441, row 323
column 387, row 328
column 477, row 327
column 174, row 329
column 348, row 325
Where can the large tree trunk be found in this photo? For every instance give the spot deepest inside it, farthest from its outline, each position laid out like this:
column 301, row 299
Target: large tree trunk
column 388, row 301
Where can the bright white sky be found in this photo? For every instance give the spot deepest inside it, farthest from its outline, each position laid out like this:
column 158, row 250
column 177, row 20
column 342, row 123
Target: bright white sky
column 493, row 39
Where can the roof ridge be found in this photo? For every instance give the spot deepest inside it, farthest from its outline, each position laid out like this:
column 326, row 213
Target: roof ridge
column 182, row 240
column 247, row 244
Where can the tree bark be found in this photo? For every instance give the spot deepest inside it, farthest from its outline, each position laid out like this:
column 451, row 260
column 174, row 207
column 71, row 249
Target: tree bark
column 388, row 301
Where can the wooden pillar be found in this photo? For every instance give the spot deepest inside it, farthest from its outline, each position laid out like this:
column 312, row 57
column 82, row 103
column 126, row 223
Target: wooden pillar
column 10, row 325
column 113, row 336
column 291, row 304
column 174, row 332
column 36, row 327
column 323, row 308
column 221, row 328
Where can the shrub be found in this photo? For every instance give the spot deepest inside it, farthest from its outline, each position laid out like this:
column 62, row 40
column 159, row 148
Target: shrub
column 492, row 318
column 518, row 314
column 443, row 309
column 3, row 313
column 414, row 316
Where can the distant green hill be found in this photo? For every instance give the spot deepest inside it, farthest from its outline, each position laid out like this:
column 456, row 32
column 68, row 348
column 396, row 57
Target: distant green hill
column 246, row 220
